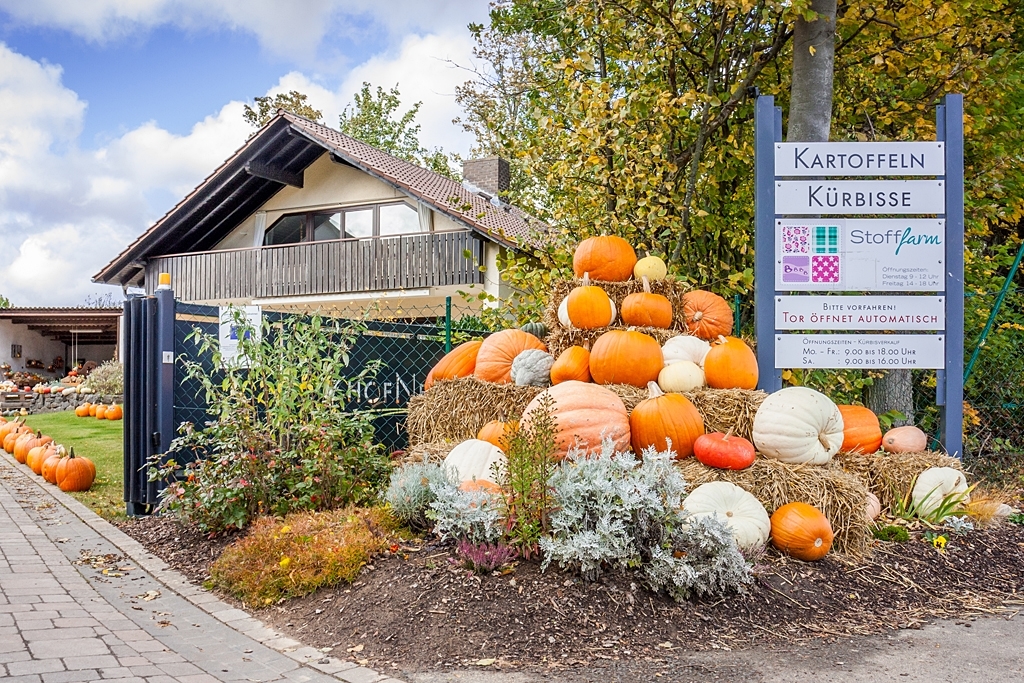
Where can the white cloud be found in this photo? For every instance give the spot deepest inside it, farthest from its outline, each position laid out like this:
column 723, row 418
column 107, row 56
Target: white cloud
column 291, row 29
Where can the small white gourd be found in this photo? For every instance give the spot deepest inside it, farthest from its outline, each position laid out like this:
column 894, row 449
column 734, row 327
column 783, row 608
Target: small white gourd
column 680, row 377
column 737, row 508
column 532, row 368
column 685, row 347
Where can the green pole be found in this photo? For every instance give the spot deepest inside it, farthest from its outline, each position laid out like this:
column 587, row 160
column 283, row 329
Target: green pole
column 447, row 324
column 995, row 312
column 736, row 315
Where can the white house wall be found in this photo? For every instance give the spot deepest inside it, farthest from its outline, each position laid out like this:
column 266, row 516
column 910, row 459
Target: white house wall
column 33, row 347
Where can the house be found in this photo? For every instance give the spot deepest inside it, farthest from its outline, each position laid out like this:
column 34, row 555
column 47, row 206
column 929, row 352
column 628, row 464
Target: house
column 303, row 217
column 50, row 341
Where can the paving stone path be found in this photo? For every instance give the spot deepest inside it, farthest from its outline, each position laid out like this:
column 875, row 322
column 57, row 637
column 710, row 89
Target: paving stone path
column 80, row 601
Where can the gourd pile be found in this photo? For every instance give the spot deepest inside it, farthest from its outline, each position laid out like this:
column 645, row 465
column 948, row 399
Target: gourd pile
column 667, row 352
column 55, row 464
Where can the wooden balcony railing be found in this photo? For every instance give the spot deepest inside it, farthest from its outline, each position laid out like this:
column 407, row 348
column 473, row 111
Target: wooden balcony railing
column 334, row 267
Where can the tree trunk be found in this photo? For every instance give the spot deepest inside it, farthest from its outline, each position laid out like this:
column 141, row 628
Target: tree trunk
column 810, row 99
column 893, row 391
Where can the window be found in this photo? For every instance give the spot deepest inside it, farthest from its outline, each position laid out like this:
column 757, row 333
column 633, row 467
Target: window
column 382, row 220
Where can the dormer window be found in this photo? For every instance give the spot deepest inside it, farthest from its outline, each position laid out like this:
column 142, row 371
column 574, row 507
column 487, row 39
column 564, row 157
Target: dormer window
column 379, row 220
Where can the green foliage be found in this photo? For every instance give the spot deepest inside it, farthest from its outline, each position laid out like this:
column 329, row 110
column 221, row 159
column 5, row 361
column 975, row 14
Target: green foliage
column 906, row 508
column 266, row 108
column 411, row 491
column 889, row 418
column 4, row 302
column 280, row 436
column 891, row 533
column 301, row 554
column 107, row 379
column 374, row 119
column 1016, row 518
column 526, row 478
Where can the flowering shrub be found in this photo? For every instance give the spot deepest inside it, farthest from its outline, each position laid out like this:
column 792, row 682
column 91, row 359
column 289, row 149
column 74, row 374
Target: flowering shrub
column 409, row 493
column 484, row 558
column 280, row 437
column 107, row 379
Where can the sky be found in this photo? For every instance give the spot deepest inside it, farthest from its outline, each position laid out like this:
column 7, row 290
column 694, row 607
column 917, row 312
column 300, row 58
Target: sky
column 111, row 111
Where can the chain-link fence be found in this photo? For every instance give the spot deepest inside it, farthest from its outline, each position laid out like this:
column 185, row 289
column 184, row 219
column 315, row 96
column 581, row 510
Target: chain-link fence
column 405, row 347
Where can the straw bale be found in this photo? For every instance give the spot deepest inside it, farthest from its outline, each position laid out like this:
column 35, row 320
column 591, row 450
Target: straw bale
column 560, row 338
column 840, row 495
column 428, row 452
column 725, row 409
column 456, row 409
column 891, row 475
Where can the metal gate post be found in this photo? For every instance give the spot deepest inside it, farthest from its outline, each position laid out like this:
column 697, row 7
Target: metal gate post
column 164, row 352
column 767, row 131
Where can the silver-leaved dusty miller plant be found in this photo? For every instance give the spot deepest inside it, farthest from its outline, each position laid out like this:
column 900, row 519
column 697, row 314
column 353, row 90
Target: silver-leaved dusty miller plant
column 409, row 492
column 476, row 516
column 612, row 511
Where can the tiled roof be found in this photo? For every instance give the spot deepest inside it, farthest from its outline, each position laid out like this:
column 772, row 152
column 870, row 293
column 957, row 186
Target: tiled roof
column 506, row 224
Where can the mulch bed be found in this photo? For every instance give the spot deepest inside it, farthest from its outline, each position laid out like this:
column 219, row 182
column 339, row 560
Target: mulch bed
column 419, row 611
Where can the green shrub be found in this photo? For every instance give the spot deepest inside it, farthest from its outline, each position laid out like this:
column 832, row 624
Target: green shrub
column 281, row 437
column 891, row 534
column 107, row 379
column 409, row 492
column 305, row 552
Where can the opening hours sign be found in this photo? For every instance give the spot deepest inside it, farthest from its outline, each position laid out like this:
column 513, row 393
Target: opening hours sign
column 859, row 260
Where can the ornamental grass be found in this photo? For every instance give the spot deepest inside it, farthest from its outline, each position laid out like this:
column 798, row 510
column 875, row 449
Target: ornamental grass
column 279, row 559
column 840, row 495
column 890, row 476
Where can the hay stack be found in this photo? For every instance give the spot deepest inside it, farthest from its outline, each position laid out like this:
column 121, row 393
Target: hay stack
column 428, row 452
column 559, row 338
column 455, row 409
column 840, row 495
column 891, row 475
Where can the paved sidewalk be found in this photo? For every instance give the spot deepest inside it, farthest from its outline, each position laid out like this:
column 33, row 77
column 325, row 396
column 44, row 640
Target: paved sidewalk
column 80, row 601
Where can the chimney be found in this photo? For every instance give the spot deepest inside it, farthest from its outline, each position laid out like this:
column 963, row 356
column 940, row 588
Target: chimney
column 489, row 176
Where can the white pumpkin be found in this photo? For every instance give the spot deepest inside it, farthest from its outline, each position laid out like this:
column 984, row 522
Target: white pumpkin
column 532, row 368
column 651, row 267
column 798, row 425
column 935, row 484
column 685, row 347
column 741, row 512
column 563, row 313
column 873, row 507
column 472, row 459
column 681, row 376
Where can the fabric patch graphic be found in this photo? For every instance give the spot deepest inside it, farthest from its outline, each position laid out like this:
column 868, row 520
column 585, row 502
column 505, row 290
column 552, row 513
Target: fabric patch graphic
column 796, row 268
column 826, row 239
column 796, row 239
column 824, row 269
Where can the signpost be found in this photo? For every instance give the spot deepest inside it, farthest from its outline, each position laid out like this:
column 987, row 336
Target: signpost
column 854, row 218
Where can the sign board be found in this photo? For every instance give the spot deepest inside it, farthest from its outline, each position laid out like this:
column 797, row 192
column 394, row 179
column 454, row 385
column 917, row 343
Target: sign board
column 859, row 197
column 917, row 351
column 229, row 332
column 821, row 159
column 835, row 313
column 872, row 255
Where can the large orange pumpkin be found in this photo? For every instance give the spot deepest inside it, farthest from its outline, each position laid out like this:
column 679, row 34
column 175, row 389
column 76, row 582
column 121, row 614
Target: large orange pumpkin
column 801, row 530
column 50, row 462
column 645, row 309
column 12, row 437
column 494, row 359
column 707, row 315
column 495, row 432
column 665, row 421
column 730, row 364
column 861, row 431
column 625, row 357
column 588, row 306
column 114, row 412
column 607, row 257
column 459, row 362
column 26, row 442
column 75, row 473
column 573, row 363
column 583, row 414
column 83, row 410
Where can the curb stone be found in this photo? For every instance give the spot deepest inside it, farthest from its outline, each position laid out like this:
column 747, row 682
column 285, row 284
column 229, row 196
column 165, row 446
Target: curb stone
column 238, row 619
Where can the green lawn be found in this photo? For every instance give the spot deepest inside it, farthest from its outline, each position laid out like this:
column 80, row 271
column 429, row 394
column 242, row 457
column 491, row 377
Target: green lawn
column 101, row 442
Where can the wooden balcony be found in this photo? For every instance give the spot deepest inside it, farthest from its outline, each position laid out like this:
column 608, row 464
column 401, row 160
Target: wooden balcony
column 333, row 267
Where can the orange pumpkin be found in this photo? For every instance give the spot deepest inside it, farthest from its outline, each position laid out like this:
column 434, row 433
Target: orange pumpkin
column 571, row 364
column 608, row 257
column 645, row 309
column 35, row 458
column 12, row 437
column 50, row 462
column 114, row 412
column 861, row 431
column 459, row 362
column 625, row 357
column 707, row 315
column 83, row 410
column 588, row 306
column 75, row 473
column 101, row 412
column 665, row 421
column 583, row 414
column 8, row 427
column 801, row 530
column 485, row 485
column 724, row 451
column 495, row 432
column 730, row 364
column 27, row 442
column 494, row 359
column 92, row 409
